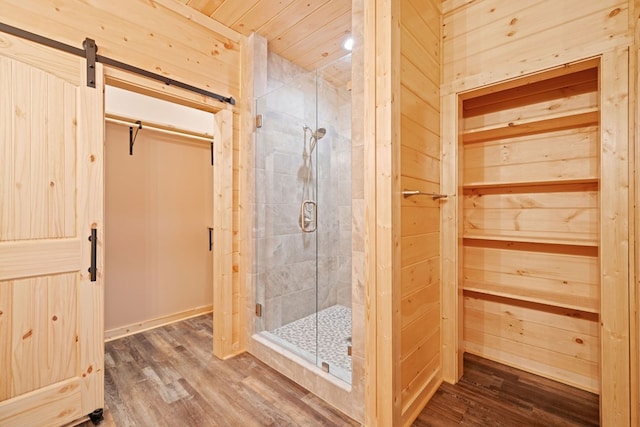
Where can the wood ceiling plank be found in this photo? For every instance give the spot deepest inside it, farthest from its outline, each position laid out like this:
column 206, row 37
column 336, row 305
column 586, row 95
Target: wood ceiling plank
column 230, row 11
column 290, row 17
column 301, row 32
column 206, row 7
column 318, row 45
column 260, row 14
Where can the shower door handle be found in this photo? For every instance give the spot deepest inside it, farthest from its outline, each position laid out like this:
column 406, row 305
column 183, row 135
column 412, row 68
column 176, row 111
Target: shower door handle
column 308, row 222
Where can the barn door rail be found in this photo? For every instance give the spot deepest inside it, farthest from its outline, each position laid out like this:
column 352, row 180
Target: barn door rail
column 90, row 53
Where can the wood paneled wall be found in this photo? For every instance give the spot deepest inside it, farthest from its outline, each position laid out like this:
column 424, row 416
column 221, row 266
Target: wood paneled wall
column 493, row 41
column 140, row 33
column 634, row 296
column 420, row 372
column 402, row 151
column 164, row 37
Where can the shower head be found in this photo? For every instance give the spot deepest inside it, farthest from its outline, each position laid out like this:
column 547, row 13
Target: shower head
column 319, row 134
column 316, row 136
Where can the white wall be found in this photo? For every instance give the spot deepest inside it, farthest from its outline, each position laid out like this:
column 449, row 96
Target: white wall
column 158, row 206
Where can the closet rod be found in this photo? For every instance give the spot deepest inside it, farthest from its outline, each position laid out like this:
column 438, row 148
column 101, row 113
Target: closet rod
column 112, row 118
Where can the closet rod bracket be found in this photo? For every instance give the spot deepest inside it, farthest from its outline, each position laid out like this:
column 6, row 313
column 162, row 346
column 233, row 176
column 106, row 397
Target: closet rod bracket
column 132, row 136
column 435, row 196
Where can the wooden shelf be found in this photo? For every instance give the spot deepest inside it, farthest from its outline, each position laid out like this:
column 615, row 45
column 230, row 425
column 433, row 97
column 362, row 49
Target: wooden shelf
column 589, row 305
column 585, row 180
column 534, row 239
column 589, row 117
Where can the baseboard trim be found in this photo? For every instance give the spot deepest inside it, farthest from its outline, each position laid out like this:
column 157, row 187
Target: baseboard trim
column 123, row 331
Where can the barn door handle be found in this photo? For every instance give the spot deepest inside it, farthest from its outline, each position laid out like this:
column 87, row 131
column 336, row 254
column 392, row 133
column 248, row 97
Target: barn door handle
column 94, row 249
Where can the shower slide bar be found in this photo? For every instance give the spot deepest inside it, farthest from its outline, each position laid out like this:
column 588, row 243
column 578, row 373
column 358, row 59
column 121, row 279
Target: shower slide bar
column 409, row 193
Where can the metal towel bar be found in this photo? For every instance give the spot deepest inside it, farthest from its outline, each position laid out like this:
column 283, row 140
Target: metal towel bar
column 408, row 193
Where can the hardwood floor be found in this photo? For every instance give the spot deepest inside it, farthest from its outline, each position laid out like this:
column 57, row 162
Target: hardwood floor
column 168, row 377
column 491, row 394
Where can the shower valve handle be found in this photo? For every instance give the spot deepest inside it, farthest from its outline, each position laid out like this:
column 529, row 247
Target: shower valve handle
column 308, row 216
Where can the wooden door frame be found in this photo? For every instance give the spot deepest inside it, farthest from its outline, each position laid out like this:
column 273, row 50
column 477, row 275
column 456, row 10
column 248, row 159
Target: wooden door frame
column 616, row 231
column 222, row 193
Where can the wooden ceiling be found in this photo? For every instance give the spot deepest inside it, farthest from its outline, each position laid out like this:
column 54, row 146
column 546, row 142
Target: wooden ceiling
column 309, row 33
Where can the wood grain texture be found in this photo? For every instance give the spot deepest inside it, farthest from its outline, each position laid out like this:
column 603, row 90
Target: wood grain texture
column 420, row 292
column 491, row 394
column 226, row 335
column 164, row 42
column 90, row 164
column 39, row 186
column 615, row 358
column 561, row 344
column 490, row 41
column 51, row 320
column 168, row 376
column 309, row 33
column 451, row 240
column 368, row 127
column 634, row 297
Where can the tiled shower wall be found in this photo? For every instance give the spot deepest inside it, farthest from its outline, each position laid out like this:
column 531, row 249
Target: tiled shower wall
column 285, row 256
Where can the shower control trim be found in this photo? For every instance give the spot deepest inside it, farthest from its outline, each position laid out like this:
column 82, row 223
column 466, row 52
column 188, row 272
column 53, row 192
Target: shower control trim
column 308, row 216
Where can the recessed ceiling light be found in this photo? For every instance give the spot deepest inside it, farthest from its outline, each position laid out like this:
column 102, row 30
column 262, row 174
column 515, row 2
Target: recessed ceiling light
column 348, row 43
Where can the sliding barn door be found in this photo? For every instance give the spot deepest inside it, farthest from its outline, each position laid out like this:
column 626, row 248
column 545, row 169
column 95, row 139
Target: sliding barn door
column 51, row 196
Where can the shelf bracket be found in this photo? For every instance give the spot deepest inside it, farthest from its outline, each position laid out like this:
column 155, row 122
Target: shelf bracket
column 132, row 137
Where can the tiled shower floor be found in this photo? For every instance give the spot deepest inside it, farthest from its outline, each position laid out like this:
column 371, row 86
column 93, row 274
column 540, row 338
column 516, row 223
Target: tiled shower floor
column 334, row 336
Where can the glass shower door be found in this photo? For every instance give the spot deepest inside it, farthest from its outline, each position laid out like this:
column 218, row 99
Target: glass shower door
column 286, row 221
column 303, row 219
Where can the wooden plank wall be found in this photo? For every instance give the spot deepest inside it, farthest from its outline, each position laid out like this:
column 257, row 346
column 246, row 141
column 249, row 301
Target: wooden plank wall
column 164, row 37
column 491, row 41
column 420, row 373
column 635, row 187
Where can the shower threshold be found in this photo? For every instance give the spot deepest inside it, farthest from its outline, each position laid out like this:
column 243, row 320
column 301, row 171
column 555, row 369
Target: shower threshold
column 333, row 339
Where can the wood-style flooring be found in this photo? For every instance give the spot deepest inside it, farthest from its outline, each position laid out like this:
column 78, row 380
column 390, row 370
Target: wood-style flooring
column 169, row 377
column 491, row 394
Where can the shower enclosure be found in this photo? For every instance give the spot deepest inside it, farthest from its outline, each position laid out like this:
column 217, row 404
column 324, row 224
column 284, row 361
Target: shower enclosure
column 303, row 214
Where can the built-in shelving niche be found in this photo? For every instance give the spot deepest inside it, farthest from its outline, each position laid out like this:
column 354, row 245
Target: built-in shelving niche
column 530, row 221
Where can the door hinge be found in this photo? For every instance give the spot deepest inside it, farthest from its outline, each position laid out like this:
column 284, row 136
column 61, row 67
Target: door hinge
column 258, row 121
column 212, row 154
column 258, row 310
column 349, row 350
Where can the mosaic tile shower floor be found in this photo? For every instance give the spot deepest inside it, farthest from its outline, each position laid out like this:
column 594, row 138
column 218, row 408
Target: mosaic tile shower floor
column 334, row 337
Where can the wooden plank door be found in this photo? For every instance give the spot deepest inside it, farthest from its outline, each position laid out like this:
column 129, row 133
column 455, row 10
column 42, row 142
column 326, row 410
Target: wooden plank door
column 51, row 195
